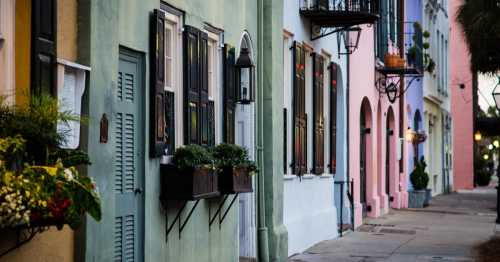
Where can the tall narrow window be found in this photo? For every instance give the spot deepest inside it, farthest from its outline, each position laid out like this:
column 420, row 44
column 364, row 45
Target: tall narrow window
column 173, row 90
column 299, row 114
column 229, row 94
column 318, row 119
column 333, row 117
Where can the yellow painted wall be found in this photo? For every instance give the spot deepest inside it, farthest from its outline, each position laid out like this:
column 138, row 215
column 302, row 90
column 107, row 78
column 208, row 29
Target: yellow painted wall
column 67, row 29
column 23, row 50
column 52, row 245
column 49, row 246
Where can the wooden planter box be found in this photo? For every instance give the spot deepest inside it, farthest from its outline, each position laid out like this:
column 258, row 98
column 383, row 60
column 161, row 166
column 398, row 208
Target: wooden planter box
column 237, row 180
column 199, row 183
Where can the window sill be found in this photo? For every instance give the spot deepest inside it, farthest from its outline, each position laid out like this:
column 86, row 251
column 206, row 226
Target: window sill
column 325, row 176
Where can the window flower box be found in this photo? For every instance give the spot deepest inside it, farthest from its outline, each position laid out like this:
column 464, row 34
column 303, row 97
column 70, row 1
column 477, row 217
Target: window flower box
column 234, row 180
column 188, row 184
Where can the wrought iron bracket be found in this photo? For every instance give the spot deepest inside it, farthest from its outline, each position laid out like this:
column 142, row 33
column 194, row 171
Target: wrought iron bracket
column 324, row 31
column 23, row 236
column 219, row 210
column 177, row 218
column 382, row 82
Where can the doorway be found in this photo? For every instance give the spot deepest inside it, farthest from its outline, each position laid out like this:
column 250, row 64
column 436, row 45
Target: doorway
column 128, row 149
column 362, row 162
column 389, row 149
column 245, row 136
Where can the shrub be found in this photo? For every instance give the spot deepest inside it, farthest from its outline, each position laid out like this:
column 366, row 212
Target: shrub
column 482, row 177
column 192, row 156
column 230, row 156
column 418, row 177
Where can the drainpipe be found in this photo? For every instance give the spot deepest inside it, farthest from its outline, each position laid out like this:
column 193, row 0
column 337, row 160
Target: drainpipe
column 262, row 231
column 347, row 115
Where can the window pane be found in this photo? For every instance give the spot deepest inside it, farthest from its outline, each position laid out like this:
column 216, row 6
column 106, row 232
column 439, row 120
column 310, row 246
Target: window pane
column 168, row 56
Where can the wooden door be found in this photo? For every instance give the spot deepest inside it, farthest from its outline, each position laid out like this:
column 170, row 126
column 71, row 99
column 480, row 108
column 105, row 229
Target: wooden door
column 128, row 139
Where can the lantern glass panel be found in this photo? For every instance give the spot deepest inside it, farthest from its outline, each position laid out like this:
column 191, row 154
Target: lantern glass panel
column 245, row 83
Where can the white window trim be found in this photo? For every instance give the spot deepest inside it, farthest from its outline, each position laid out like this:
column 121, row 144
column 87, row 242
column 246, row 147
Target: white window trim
column 177, row 80
column 215, row 92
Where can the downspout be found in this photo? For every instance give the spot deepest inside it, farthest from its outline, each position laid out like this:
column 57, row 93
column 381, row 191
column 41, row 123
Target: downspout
column 347, row 177
column 402, row 113
column 262, row 232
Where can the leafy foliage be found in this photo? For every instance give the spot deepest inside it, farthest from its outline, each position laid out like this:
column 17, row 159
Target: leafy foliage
column 231, row 156
column 418, row 177
column 192, row 156
column 481, row 27
column 38, row 181
column 36, row 123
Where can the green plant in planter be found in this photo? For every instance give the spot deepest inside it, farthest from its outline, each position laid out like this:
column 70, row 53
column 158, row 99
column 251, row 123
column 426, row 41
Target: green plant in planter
column 39, row 183
column 192, row 156
column 233, row 156
column 418, row 177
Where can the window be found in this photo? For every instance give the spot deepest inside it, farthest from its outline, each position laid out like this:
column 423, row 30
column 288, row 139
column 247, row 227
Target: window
column 214, row 83
column 318, row 119
column 299, row 110
column 287, row 104
column 333, row 116
column 173, row 83
column 70, row 89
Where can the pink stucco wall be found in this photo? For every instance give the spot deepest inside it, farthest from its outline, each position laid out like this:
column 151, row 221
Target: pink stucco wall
column 363, row 92
column 461, row 105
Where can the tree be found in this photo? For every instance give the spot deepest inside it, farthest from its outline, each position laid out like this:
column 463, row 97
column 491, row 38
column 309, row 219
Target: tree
column 480, row 21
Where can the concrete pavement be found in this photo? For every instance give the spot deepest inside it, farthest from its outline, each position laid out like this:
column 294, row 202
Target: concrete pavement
column 447, row 230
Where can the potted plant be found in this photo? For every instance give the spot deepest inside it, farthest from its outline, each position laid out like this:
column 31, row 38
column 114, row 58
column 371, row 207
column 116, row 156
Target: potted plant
column 419, row 180
column 391, row 60
column 39, row 182
column 236, row 169
column 191, row 175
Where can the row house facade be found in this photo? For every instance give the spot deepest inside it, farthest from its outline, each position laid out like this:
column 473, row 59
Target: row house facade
column 314, row 111
column 462, row 83
column 326, row 122
column 437, row 106
column 152, row 76
column 39, row 54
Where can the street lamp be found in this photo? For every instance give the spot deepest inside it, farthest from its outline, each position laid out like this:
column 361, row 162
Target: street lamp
column 245, row 77
column 392, row 91
column 478, row 136
column 496, row 94
column 351, row 43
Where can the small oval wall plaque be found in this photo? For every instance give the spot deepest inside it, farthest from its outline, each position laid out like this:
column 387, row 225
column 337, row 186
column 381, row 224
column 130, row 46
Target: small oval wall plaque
column 103, row 138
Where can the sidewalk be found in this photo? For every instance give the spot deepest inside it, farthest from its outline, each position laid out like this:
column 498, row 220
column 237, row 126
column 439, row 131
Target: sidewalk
column 445, row 231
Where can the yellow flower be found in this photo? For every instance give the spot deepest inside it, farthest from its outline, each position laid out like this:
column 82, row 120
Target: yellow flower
column 50, row 170
column 27, row 193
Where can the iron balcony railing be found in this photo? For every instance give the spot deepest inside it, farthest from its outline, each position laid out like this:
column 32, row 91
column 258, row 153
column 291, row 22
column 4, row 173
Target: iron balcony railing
column 414, row 45
column 355, row 6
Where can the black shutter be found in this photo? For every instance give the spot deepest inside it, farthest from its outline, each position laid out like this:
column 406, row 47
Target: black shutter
column 157, row 94
column 204, row 112
column 333, row 118
column 170, row 122
column 318, row 118
column 196, row 108
column 43, row 51
column 299, row 114
column 285, row 141
column 211, row 123
column 229, row 94
column 191, row 86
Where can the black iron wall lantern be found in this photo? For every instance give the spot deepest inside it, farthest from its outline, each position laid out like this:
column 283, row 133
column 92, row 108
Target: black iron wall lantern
column 496, row 94
column 245, row 73
column 392, row 92
column 351, row 41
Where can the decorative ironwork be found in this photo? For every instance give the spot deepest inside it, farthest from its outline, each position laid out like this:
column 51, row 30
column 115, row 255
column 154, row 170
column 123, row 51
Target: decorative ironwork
column 24, row 234
column 396, row 70
column 331, row 16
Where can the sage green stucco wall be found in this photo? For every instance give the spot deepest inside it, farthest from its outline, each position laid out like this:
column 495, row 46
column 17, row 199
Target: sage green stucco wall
column 104, row 26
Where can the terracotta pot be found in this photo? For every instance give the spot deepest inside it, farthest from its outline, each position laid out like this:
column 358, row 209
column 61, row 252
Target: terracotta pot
column 390, row 60
column 400, row 62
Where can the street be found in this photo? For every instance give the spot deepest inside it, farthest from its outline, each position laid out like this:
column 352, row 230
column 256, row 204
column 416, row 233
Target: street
column 447, row 230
